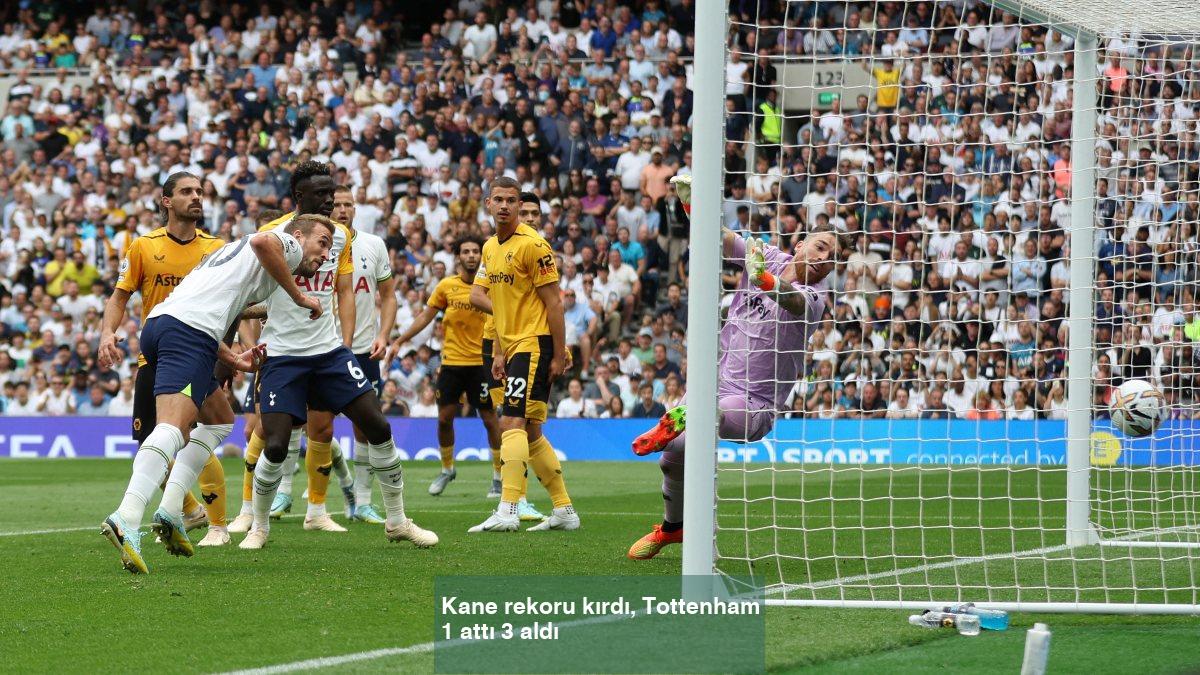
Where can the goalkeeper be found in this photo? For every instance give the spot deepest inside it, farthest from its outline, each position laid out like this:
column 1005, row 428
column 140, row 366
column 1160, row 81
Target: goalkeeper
column 778, row 302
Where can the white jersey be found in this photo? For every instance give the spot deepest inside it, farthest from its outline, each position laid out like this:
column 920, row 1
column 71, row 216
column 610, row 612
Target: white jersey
column 372, row 266
column 289, row 331
column 212, row 295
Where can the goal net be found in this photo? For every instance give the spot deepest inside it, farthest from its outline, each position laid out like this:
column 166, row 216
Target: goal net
column 1018, row 190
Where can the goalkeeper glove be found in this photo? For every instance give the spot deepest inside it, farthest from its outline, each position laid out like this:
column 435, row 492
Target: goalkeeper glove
column 756, row 266
column 683, row 189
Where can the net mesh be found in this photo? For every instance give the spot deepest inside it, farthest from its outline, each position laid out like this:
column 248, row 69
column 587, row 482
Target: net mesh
column 919, row 453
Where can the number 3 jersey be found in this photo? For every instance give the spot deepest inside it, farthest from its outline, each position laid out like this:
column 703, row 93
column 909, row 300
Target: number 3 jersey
column 211, row 296
column 289, row 331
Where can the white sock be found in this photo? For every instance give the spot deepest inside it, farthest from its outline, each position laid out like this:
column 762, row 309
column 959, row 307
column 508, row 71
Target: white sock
column 190, row 461
column 289, row 464
column 507, row 508
column 496, row 475
column 188, row 464
column 385, row 464
column 149, row 467
column 247, row 508
column 362, row 479
column 340, row 469
column 266, row 482
column 316, row 510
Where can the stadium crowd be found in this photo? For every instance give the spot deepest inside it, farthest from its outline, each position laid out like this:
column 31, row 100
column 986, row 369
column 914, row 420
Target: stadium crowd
column 951, row 179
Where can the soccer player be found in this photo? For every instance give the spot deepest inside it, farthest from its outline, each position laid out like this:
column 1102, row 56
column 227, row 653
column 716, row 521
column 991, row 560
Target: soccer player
column 778, row 302
column 463, row 369
column 182, row 343
column 371, row 264
column 249, row 331
column 518, row 284
column 311, row 368
column 155, row 264
column 372, row 326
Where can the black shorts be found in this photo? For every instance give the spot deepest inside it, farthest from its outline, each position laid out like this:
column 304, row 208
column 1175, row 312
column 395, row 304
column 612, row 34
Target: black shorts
column 527, row 386
column 145, row 412
column 495, row 387
column 454, row 381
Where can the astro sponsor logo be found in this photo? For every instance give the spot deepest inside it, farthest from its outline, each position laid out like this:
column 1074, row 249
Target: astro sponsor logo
column 500, row 278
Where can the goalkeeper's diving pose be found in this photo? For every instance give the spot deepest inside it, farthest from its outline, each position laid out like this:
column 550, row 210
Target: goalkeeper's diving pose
column 778, row 302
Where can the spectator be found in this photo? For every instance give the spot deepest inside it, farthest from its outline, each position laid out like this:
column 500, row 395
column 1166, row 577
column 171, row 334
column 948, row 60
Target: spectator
column 426, row 405
column 575, row 405
column 646, row 405
column 57, row 400
column 96, row 405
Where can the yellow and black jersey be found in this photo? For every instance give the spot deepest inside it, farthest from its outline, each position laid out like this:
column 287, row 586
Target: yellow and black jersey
column 463, row 323
column 512, row 270
column 155, row 264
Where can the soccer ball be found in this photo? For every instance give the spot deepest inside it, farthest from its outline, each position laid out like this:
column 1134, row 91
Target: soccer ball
column 1137, row 408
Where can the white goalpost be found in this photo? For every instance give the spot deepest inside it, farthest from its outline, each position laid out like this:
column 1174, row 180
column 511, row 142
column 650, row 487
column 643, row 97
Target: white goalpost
column 1018, row 185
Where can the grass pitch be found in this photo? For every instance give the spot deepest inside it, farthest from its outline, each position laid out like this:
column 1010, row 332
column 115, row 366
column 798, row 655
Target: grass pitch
column 68, row 607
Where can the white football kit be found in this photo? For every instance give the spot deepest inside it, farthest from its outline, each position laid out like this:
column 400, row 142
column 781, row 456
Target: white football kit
column 372, row 266
column 212, row 295
column 289, row 331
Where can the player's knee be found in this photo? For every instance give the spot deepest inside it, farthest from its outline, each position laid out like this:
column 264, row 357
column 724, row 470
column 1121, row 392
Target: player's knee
column 320, row 429
column 376, row 429
column 510, row 423
column 276, row 451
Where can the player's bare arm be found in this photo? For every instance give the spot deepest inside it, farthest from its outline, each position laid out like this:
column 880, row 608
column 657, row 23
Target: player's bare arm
column 256, row 312
column 269, row 250
column 114, row 313
column 419, row 323
column 480, row 299
column 344, row 287
column 387, row 316
column 550, row 297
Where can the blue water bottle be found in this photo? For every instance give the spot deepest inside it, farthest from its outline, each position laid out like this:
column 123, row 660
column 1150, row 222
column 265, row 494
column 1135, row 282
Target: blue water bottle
column 989, row 619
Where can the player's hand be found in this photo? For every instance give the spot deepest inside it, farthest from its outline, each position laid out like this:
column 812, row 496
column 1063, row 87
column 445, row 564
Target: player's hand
column 379, row 348
column 110, row 355
column 311, row 304
column 498, row 367
column 756, row 264
column 252, row 359
column 558, row 365
column 392, row 350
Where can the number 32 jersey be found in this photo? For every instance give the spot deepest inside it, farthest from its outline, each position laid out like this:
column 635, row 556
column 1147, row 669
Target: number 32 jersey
column 289, row 331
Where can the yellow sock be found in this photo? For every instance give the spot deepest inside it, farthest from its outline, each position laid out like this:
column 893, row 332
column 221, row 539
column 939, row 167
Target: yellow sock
column 318, row 462
column 514, row 453
column 496, row 471
column 447, row 457
column 548, row 470
column 212, row 488
column 253, row 451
